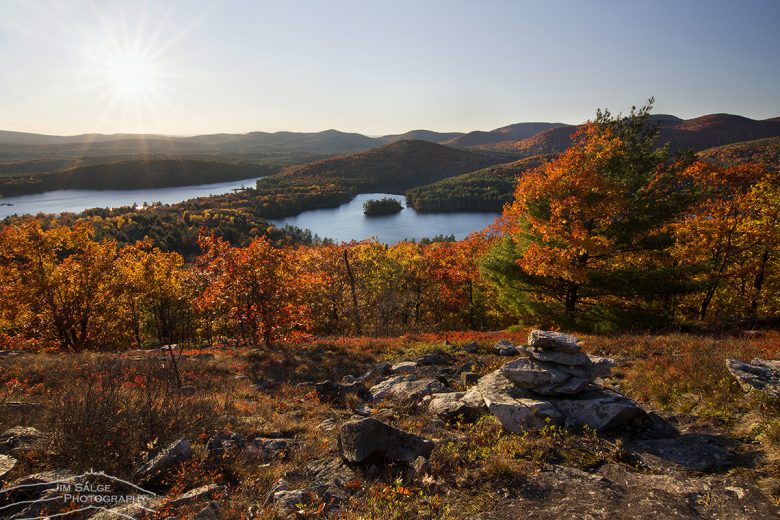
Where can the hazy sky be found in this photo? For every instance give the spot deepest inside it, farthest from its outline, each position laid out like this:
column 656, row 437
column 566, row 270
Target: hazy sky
column 377, row 67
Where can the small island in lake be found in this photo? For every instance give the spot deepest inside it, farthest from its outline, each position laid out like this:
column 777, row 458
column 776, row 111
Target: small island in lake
column 385, row 206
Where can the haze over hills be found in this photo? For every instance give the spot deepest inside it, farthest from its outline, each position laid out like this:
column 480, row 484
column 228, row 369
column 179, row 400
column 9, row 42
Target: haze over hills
column 525, row 138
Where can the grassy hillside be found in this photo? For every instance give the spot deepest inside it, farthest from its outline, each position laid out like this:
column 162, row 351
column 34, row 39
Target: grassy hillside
column 487, row 189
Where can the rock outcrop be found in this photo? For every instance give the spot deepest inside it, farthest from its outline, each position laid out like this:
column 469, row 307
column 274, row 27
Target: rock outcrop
column 553, row 384
column 760, row 374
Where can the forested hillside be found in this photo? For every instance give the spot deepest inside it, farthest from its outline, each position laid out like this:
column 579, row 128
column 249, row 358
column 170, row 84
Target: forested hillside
column 487, row 189
column 133, row 175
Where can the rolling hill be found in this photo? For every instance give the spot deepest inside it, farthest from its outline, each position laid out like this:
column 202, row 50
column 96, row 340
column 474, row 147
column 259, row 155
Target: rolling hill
column 762, row 151
column 499, row 135
column 393, row 168
column 487, row 189
column 422, row 135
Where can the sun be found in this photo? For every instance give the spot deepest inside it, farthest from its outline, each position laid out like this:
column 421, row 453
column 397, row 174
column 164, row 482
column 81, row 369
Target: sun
column 130, row 73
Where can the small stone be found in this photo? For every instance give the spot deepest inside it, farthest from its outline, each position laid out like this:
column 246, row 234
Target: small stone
column 469, row 378
column 193, row 495
column 602, row 366
column 188, row 390
column 222, row 444
column 470, row 347
column 504, row 348
column 210, row 512
column 434, row 358
column 417, row 469
column 175, row 453
column 7, row 463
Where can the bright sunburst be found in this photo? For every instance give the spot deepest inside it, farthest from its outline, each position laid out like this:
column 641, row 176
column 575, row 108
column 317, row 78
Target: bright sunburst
column 131, row 73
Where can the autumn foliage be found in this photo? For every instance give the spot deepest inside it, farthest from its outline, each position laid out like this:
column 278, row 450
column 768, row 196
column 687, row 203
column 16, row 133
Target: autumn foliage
column 613, row 233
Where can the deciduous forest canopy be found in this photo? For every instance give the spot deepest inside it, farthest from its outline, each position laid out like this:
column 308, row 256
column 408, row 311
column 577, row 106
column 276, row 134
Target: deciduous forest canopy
column 616, row 231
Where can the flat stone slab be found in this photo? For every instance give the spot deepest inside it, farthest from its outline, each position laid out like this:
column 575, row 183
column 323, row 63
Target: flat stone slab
column 554, row 341
column 599, row 409
column 404, row 367
column 562, row 358
column 760, row 374
column 406, row 387
column 696, row 452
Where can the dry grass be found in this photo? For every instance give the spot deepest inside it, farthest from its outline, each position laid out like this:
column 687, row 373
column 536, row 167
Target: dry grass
column 107, row 411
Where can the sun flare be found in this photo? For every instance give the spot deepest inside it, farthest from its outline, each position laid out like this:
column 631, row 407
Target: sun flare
column 131, row 73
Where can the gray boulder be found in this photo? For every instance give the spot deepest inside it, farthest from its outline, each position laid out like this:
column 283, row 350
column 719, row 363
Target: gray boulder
column 372, row 440
column 451, row 405
column 599, row 409
column 760, row 374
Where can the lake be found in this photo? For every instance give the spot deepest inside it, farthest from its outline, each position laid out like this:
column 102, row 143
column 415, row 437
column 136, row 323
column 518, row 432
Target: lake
column 75, row 201
column 347, row 222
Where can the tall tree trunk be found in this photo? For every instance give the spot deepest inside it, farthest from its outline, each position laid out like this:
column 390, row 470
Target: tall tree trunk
column 758, row 283
column 355, row 309
column 571, row 297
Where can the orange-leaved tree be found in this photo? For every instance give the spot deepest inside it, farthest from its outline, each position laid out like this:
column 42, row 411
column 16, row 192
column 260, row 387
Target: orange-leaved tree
column 587, row 238
column 61, row 285
column 255, row 291
column 732, row 237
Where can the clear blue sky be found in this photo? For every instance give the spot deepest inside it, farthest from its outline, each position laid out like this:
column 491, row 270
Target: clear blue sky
column 187, row 67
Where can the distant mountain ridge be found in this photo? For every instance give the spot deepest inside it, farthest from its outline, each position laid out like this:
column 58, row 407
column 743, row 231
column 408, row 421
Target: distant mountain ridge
column 531, row 138
column 682, row 134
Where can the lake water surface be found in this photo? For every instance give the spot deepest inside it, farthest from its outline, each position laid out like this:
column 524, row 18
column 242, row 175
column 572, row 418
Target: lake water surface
column 347, row 222
column 75, row 201
column 344, row 223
